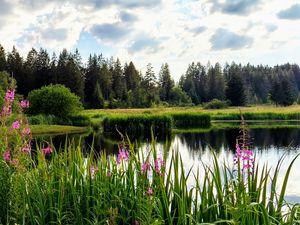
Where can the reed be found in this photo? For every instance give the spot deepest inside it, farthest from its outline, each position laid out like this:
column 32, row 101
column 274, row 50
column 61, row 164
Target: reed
column 70, row 188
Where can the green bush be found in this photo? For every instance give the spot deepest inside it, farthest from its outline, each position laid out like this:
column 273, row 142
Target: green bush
column 53, row 100
column 216, row 104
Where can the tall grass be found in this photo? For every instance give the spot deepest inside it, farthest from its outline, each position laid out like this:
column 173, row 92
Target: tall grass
column 190, row 119
column 66, row 188
column 138, row 125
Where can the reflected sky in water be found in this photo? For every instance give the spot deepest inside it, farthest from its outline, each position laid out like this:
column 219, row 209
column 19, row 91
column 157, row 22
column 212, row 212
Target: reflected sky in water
column 268, row 145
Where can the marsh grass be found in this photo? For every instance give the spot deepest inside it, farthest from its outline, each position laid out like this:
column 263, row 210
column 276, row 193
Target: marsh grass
column 62, row 189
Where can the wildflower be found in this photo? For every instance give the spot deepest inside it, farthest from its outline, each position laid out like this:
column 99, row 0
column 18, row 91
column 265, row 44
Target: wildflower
column 24, row 104
column 108, row 174
column 26, row 149
column 26, row 131
column 145, row 167
column 149, row 191
column 10, row 95
column 7, row 156
column 16, row 124
column 6, row 110
column 47, row 150
column 93, row 169
column 123, row 155
column 136, row 222
column 158, row 164
column 15, row 162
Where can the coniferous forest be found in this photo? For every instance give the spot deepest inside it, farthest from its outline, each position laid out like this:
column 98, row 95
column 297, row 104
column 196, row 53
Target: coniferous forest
column 108, row 83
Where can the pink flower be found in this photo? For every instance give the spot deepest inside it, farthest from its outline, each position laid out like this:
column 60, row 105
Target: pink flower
column 16, row 124
column 24, row 104
column 136, row 222
column 47, row 150
column 94, row 169
column 15, row 162
column 10, row 95
column 6, row 110
column 158, row 164
column 149, row 191
column 123, row 155
column 145, row 167
column 26, row 149
column 26, row 131
column 108, row 174
column 7, row 156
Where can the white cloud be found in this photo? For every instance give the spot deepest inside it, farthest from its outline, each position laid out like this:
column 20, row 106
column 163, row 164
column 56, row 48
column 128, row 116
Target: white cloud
column 173, row 31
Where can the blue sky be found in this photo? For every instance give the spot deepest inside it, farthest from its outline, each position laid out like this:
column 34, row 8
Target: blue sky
column 157, row 31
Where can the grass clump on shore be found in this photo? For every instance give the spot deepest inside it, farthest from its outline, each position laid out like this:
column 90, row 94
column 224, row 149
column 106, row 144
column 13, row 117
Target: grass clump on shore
column 181, row 120
column 137, row 125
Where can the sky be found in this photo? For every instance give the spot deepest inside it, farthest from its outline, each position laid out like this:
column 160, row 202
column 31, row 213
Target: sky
column 157, row 31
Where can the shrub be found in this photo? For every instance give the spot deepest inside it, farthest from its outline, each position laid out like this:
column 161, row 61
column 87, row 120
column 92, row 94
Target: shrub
column 216, row 104
column 53, row 100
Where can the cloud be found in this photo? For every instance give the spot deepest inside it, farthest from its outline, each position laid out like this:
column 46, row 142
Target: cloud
column 110, row 32
column 5, row 8
column 128, row 17
column 238, row 7
column 198, row 30
column 271, row 28
column 225, row 39
column 144, row 43
column 121, row 3
column 291, row 13
column 58, row 34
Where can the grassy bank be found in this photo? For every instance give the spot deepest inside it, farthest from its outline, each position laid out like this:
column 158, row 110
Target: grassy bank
column 260, row 112
column 56, row 129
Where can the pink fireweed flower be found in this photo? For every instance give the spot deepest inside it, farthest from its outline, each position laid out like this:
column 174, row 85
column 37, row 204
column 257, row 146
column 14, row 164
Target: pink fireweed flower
column 26, row 149
column 7, row 111
column 145, row 167
column 123, row 155
column 16, row 124
column 7, row 156
column 15, row 162
column 24, row 104
column 47, row 150
column 149, row 191
column 93, row 169
column 245, row 156
column 158, row 165
column 26, row 131
column 10, row 95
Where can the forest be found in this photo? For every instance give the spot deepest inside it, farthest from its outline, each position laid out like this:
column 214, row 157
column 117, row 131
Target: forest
column 107, row 83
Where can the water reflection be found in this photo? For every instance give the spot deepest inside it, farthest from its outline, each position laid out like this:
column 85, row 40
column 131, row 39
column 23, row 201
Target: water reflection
column 268, row 144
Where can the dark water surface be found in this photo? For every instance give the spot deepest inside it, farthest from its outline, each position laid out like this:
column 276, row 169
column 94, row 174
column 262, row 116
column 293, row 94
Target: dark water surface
column 268, row 144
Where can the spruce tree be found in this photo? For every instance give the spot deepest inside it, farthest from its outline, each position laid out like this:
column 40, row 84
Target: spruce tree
column 235, row 91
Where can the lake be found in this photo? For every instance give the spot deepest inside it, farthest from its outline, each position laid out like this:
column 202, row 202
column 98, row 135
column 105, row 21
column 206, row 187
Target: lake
column 268, row 143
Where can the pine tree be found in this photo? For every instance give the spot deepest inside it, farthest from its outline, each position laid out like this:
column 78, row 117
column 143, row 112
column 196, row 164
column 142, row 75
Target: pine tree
column 235, row 91
column 165, row 82
column 2, row 59
column 97, row 101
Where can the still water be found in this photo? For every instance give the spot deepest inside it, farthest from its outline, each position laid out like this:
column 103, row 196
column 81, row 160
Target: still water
column 195, row 147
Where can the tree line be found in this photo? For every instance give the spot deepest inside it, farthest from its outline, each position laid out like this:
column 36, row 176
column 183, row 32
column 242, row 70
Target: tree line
column 103, row 82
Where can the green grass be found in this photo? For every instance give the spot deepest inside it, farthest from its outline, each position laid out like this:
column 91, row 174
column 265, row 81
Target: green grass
column 56, row 129
column 62, row 190
column 137, row 125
